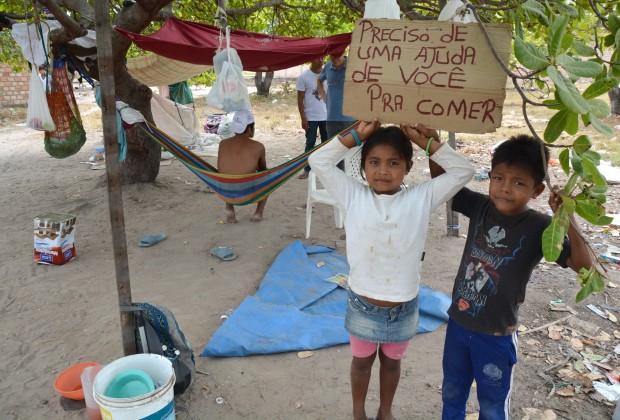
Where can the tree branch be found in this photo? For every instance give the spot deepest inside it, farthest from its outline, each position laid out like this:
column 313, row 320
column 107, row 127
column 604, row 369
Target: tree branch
column 249, row 10
column 70, row 30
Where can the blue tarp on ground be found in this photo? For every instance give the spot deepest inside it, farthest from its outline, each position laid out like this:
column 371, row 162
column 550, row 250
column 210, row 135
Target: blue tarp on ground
column 295, row 309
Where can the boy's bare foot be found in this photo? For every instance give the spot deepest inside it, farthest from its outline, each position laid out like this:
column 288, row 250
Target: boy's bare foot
column 257, row 217
column 304, row 175
column 230, row 217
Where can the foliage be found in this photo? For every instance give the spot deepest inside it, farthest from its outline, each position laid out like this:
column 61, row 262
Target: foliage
column 566, row 60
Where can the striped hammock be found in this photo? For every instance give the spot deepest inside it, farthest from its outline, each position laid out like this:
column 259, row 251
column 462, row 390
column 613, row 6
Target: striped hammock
column 233, row 189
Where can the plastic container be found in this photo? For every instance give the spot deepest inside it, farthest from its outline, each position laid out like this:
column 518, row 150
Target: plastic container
column 156, row 405
column 88, row 379
column 68, row 382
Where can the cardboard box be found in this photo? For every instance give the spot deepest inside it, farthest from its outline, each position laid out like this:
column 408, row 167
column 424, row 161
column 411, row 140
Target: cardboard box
column 54, row 235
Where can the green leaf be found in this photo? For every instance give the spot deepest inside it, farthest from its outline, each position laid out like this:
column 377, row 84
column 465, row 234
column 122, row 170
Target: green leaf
column 584, row 292
column 593, row 156
column 564, row 161
column 600, row 87
column 591, row 168
column 556, row 35
column 590, row 209
column 569, row 204
column 583, row 50
column 556, row 125
column 567, row 41
column 613, row 22
column 566, row 9
column 553, row 104
column 575, row 161
column 598, row 189
column 582, row 144
column 535, row 8
column 530, row 56
column 617, row 42
column 579, row 68
column 572, row 125
column 518, row 25
column 552, row 240
column 570, row 184
column 609, row 40
column 586, row 119
column 604, row 221
column 600, row 126
column 599, row 108
column 567, row 92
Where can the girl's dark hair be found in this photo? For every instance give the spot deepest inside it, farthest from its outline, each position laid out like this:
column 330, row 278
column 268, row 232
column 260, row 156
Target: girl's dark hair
column 525, row 152
column 392, row 136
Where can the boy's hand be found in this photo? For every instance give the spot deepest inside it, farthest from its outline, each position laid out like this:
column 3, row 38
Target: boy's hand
column 366, row 128
column 555, row 199
column 419, row 134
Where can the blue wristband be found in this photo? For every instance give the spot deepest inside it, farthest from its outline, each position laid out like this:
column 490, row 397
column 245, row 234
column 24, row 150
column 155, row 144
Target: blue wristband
column 356, row 138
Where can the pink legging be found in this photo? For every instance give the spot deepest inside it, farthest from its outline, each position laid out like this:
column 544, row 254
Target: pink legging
column 362, row 349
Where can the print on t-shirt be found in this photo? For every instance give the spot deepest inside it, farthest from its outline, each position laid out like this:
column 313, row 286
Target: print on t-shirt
column 316, row 94
column 481, row 278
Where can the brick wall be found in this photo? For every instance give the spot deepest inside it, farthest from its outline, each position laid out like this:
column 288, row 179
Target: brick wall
column 14, row 87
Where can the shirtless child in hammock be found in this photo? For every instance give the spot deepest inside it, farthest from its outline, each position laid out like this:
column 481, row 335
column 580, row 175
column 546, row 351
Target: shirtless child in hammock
column 241, row 155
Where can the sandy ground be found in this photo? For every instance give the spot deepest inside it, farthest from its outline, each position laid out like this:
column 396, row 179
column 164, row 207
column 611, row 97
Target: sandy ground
column 56, row 316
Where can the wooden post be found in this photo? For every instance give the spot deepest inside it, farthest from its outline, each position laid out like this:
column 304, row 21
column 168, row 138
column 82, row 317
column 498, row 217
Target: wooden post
column 115, row 198
column 452, row 217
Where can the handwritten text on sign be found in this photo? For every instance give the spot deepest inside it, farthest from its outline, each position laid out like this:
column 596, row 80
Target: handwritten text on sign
column 440, row 74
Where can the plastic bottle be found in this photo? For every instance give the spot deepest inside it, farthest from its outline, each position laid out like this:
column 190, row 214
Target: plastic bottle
column 88, row 379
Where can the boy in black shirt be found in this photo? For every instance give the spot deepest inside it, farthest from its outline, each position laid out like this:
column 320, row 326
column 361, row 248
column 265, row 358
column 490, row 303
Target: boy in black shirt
column 504, row 244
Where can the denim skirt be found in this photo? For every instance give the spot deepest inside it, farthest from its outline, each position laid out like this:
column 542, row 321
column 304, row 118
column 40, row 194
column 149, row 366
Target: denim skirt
column 378, row 324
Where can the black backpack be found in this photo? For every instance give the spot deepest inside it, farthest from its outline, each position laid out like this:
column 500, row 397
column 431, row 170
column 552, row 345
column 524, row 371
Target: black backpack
column 158, row 332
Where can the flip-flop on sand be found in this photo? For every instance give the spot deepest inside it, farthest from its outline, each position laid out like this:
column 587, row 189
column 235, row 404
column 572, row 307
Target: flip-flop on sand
column 150, row 240
column 224, row 253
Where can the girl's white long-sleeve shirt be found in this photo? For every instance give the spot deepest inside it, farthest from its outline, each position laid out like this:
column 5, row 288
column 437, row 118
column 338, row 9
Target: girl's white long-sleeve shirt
column 386, row 233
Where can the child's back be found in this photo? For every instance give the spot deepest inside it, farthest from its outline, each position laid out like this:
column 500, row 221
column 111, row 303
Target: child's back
column 240, row 155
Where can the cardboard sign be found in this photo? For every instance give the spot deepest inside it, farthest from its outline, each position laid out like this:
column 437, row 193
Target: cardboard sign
column 440, row 74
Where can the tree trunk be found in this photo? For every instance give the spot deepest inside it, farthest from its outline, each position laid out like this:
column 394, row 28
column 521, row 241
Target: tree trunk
column 263, row 84
column 143, row 154
column 614, row 101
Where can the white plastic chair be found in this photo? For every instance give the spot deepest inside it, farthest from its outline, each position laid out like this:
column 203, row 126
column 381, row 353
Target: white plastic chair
column 316, row 195
column 353, row 164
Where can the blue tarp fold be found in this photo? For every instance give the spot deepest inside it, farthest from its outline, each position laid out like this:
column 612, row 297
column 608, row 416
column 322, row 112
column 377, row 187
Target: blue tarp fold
column 295, row 309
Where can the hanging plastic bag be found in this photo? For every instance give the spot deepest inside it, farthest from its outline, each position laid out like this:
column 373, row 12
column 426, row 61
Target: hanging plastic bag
column 38, row 116
column 229, row 91
column 69, row 136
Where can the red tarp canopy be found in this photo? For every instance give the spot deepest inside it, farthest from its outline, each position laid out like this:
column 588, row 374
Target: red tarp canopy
column 197, row 43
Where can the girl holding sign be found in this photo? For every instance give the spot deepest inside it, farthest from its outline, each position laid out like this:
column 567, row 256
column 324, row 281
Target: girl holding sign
column 386, row 225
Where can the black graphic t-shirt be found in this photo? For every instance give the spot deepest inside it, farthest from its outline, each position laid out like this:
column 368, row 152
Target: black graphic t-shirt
column 498, row 259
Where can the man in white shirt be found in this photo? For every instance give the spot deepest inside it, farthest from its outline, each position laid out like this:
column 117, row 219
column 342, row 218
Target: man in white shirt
column 311, row 107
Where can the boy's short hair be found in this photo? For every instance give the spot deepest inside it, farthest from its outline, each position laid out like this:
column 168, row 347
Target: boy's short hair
column 523, row 151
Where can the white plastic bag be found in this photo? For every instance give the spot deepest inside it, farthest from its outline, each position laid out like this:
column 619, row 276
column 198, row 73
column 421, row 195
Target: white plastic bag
column 452, row 11
column 376, row 9
column 229, row 91
column 38, row 116
column 227, row 54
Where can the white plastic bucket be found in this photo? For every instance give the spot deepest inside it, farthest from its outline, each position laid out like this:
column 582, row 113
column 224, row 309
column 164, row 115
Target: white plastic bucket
column 156, row 405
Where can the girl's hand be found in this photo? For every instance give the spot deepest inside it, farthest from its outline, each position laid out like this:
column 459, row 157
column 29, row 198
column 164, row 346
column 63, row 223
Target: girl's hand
column 419, row 134
column 366, row 128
